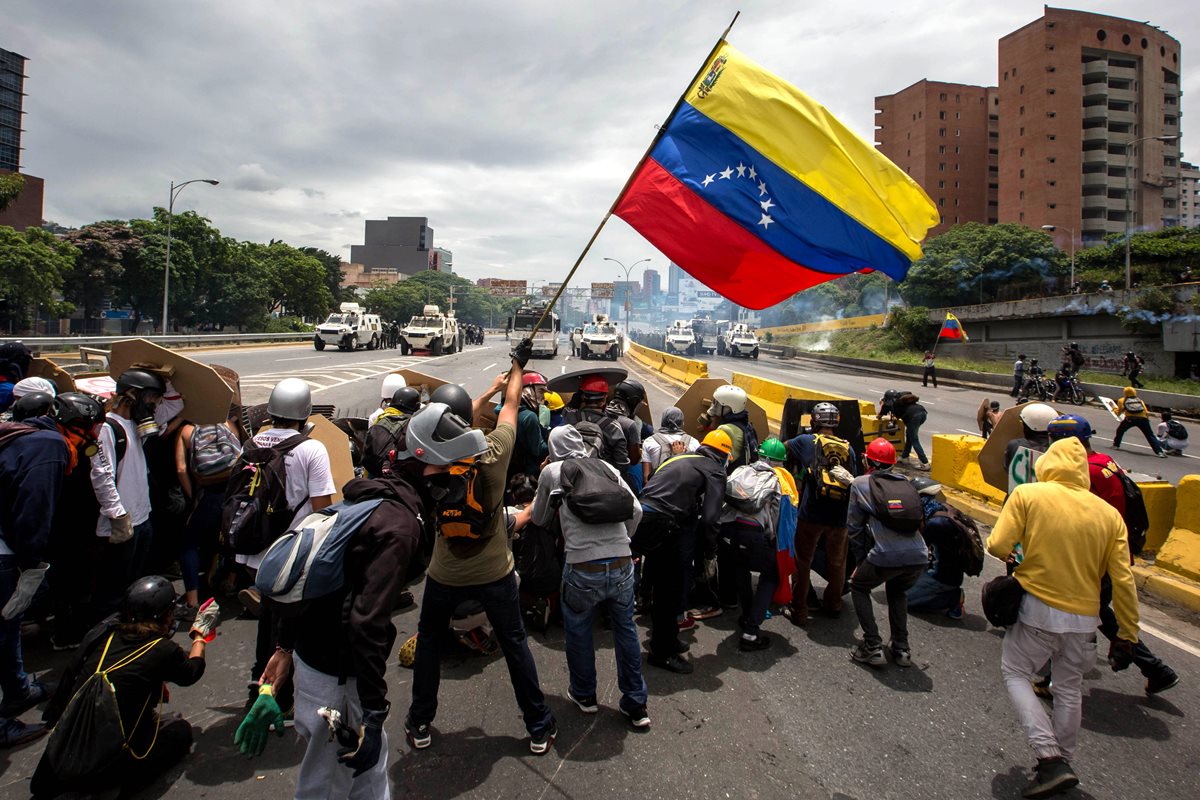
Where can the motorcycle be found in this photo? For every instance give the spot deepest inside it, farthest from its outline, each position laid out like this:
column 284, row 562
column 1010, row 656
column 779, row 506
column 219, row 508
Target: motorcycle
column 1070, row 390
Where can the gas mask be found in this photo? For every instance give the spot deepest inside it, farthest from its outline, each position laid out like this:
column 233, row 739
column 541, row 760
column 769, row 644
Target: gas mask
column 144, row 404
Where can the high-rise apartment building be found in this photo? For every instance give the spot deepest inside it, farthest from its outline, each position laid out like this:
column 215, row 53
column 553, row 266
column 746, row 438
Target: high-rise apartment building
column 12, row 101
column 651, row 284
column 944, row 135
column 395, row 244
column 1189, row 195
column 1086, row 101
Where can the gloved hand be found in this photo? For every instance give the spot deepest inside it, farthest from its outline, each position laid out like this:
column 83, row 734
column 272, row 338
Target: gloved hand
column 523, row 352
column 27, row 586
column 842, row 475
column 122, row 529
column 251, row 735
column 710, row 567
column 1120, row 654
column 208, row 616
column 365, row 754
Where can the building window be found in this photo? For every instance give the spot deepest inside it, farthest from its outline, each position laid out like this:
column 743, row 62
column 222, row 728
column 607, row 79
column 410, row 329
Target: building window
column 1021, row 111
column 941, row 202
column 942, row 97
column 1101, row 35
column 1051, row 136
column 957, row 149
column 1022, row 89
column 957, row 115
column 1022, row 132
column 1021, row 195
column 941, row 184
column 956, row 185
column 1022, row 152
column 941, row 115
column 941, row 149
column 941, row 132
column 1022, row 173
column 957, row 98
column 1014, row 72
column 1021, row 217
column 1050, row 90
column 942, row 167
column 1126, row 39
column 1052, row 205
column 1051, row 159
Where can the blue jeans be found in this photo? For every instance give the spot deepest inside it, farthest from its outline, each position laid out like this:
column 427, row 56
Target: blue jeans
column 912, row 439
column 503, row 608
column 930, row 594
column 582, row 593
column 13, row 680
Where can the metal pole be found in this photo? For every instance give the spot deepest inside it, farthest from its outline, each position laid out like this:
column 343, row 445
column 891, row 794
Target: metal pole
column 167, row 270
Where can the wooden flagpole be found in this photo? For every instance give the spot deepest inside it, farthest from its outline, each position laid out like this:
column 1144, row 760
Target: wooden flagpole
column 661, row 130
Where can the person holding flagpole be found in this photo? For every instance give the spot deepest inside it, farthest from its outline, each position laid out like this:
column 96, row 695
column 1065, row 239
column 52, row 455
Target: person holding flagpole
column 930, row 372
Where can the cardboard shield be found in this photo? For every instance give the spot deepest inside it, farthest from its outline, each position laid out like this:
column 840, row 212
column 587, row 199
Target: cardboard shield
column 101, row 386
column 1111, row 406
column 337, row 444
column 40, row 367
column 232, row 380
column 698, row 398
column 206, row 396
column 420, row 381
column 991, row 457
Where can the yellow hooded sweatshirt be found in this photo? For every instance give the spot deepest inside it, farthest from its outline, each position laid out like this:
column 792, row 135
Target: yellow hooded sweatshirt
column 1070, row 538
column 1128, row 393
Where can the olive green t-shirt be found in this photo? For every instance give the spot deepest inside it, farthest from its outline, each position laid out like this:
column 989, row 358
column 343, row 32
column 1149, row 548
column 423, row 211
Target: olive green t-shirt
column 489, row 559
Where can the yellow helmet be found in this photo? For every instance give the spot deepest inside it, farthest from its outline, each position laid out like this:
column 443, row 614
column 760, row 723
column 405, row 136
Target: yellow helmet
column 719, row 440
column 553, row 401
column 408, row 652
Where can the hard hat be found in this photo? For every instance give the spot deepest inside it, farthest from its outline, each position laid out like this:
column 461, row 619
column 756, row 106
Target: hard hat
column 533, row 379
column 718, row 440
column 732, row 398
column 147, row 599
column 291, row 399
column 455, row 396
column 391, row 383
column 32, row 404
column 1067, row 425
column 553, row 401
column 1037, row 416
column 773, row 449
column 436, row 435
column 881, row 451
column 631, row 391
column 406, row 398
column 825, row 415
column 595, row 384
column 140, row 379
column 927, row 486
column 30, row 385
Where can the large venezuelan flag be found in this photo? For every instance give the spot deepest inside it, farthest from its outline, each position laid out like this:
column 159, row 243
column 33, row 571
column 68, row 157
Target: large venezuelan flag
column 759, row 192
column 952, row 329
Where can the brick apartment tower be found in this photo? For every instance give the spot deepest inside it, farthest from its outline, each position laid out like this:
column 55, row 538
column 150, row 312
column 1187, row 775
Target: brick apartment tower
column 945, row 136
column 1077, row 90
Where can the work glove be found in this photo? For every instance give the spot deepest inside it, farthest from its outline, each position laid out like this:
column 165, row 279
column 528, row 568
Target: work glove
column 208, row 616
column 364, row 754
column 27, row 586
column 710, row 567
column 251, row 736
column 523, row 352
column 122, row 529
column 1120, row 654
column 842, row 475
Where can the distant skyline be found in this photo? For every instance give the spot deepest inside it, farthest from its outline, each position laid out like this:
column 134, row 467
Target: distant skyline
column 512, row 127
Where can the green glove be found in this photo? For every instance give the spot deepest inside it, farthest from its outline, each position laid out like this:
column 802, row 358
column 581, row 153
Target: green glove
column 251, row 736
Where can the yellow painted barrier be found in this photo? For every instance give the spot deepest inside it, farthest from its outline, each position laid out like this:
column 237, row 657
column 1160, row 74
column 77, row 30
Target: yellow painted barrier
column 684, row 370
column 1160, row 497
column 771, row 395
column 1180, row 553
column 850, row 323
column 956, row 466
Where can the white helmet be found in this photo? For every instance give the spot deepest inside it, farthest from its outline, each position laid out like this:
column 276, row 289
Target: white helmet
column 391, row 383
column 1037, row 416
column 729, row 399
column 291, row 399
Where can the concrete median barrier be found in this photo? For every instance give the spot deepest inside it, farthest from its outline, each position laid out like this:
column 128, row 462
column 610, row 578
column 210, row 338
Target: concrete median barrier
column 771, row 395
column 956, row 466
column 1180, row 552
column 685, row 370
column 1161, row 500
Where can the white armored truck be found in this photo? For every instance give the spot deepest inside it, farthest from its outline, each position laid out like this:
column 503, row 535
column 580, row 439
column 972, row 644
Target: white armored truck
column 740, row 340
column 681, row 339
column 350, row 328
column 433, row 331
column 600, row 339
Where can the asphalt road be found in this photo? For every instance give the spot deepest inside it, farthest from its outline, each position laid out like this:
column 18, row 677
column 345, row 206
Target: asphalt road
column 798, row 720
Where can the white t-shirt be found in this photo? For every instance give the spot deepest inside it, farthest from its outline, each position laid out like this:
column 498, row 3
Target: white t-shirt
column 1037, row 614
column 308, row 475
column 652, row 451
column 132, row 485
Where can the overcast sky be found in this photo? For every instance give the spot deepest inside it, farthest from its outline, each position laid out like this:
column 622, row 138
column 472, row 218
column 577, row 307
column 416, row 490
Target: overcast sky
column 511, row 125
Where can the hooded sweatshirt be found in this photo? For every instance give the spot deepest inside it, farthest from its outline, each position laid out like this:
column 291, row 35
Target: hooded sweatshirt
column 583, row 541
column 32, row 467
column 1071, row 539
column 1128, row 393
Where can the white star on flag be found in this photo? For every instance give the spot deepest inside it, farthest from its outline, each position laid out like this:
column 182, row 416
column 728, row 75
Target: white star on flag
column 765, row 221
column 728, row 171
column 709, row 179
column 762, row 187
column 741, row 169
column 766, row 204
column 753, row 174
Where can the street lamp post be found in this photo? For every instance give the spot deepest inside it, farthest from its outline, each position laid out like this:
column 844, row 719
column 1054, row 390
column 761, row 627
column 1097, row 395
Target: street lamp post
column 1072, row 232
column 628, row 270
column 1128, row 169
column 175, row 189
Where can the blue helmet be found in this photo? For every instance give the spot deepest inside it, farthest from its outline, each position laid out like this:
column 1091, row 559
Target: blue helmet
column 1067, row 425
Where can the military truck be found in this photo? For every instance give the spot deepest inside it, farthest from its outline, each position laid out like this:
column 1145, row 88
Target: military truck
column 708, row 333
column 600, row 339
column 681, row 339
column 545, row 342
column 349, row 328
column 432, row 331
column 740, row 341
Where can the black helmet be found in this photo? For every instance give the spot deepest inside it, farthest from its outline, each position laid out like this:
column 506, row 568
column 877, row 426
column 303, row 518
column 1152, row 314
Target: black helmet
column 140, row 379
column 76, row 409
column 17, row 354
column 456, row 397
column 1074, row 345
column 406, row 399
column 926, row 486
column 148, row 599
column 1021, row 355
column 631, row 391
column 34, row 404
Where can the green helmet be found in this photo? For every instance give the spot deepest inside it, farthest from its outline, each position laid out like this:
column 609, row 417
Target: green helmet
column 773, row 449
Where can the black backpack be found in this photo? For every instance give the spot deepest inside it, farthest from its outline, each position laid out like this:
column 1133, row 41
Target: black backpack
column 593, row 492
column 896, row 503
column 1176, row 430
column 1137, row 520
column 538, row 556
column 256, row 511
column 970, row 543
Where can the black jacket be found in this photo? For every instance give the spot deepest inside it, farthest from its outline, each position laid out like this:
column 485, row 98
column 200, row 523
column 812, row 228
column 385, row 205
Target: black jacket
column 688, row 486
column 350, row 633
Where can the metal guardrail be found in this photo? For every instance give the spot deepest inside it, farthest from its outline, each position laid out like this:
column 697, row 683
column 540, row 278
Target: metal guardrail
column 60, row 343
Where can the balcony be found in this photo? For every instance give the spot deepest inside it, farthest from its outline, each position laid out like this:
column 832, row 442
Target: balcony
column 1095, row 95
column 1095, row 113
column 1095, row 179
column 1122, row 73
column 1095, row 72
column 1096, row 201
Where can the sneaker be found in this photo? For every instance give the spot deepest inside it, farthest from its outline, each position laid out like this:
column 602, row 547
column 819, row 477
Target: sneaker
column 586, row 704
column 676, row 664
column 686, row 622
column 1116, row 446
column 708, row 612
column 14, row 733
column 1161, row 454
column 36, row 693
column 251, row 600
column 1042, row 688
column 798, row 617
column 539, row 744
column 1051, row 776
column 638, row 717
column 62, row 643
column 405, row 600
column 872, row 656
column 923, row 466
column 956, row 611
column 419, row 736
column 751, row 644
column 1164, row 680
column 901, row 657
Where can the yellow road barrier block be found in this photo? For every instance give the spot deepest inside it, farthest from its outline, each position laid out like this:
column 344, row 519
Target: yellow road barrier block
column 1160, row 499
column 1180, row 553
column 771, row 395
column 956, row 465
column 684, row 370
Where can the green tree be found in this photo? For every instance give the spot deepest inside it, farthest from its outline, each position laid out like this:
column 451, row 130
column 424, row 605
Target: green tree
column 295, row 281
column 11, row 185
column 198, row 257
column 237, row 291
column 1156, row 257
column 334, row 274
column 34, row 265
column 974, row 260
column 105, row 249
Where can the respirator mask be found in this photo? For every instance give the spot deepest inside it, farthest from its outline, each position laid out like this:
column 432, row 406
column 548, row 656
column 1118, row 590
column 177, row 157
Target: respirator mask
column 144, row 405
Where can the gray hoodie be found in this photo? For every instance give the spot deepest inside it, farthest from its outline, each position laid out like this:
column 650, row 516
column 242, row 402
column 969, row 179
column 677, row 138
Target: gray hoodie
column 584, row 541
column 873, row 541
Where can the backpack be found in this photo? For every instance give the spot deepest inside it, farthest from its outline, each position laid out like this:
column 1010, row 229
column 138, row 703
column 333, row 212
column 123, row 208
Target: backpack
column 594, row 492
column 1134, row 405
column 1137, row 519
column 256, row 511
column 670, row 447
column 459, row 510
column 593, row 437
column 970, row 544
column 89, row 737
column 309, row 561
column 1176, row 430
column 382, row 440
column 537, row 558
column 896, row 503
column 830, row 452
column 214, row 450
column 749, row 489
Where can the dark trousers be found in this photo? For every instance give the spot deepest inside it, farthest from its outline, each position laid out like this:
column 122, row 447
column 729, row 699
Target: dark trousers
column 1133, row 379
column 1143, row 425
column 502, row 605
column 753, row 550
column 896, row 581
column 1149, row 664
column 930, row 374
column 664, row 580
column 1018, row 382
column 808, row 536
column 121, row 565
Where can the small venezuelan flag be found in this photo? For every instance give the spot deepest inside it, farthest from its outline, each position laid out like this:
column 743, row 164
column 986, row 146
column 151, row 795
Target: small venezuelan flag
column 759, row 192
column 953, row 329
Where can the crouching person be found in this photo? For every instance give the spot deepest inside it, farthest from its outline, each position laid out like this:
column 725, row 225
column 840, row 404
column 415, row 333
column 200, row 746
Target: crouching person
column 104, row 740
column 335, row 634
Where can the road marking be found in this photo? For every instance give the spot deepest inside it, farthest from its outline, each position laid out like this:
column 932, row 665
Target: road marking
column 1171, row 640
column 298, row 358
column 562, row 369
column 489, row 366
column 969, row 433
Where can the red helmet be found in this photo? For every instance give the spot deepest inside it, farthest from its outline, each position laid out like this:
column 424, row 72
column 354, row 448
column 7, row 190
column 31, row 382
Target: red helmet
column 533, row 379
column 881, row 451
column 594, row 383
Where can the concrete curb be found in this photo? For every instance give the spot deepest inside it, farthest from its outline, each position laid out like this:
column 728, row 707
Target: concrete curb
column 1161, row 584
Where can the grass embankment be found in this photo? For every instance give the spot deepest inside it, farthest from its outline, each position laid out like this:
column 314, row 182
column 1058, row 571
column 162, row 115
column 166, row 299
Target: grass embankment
column 879, row 344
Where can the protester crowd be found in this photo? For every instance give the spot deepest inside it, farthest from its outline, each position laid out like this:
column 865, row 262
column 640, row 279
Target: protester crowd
column 568, row 508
